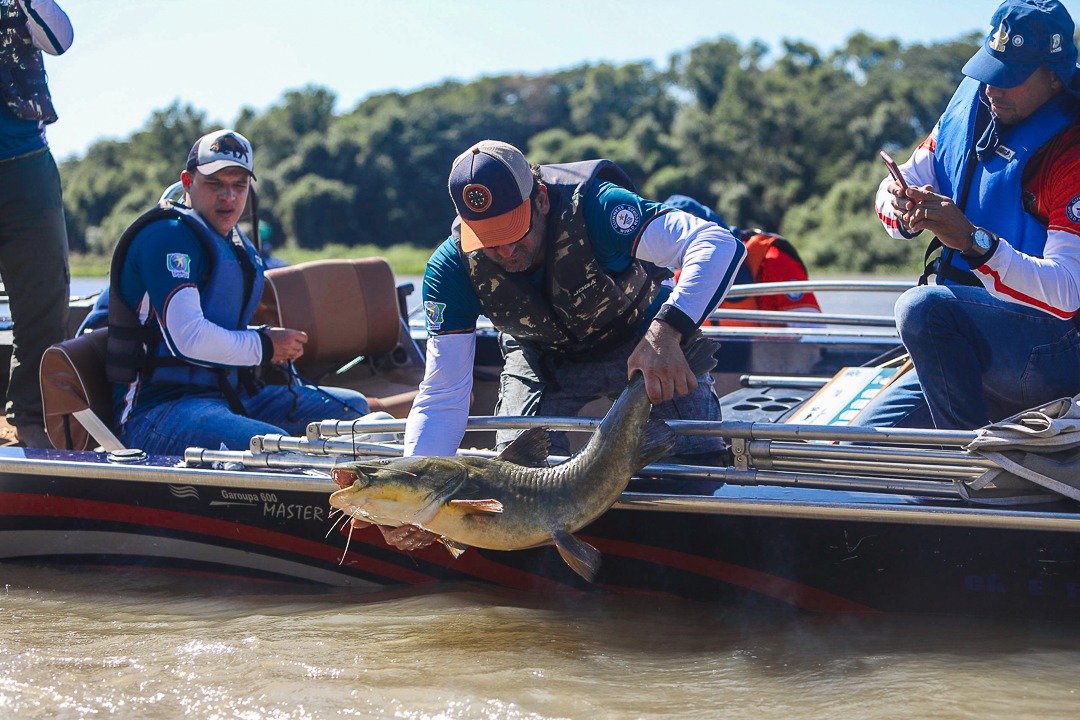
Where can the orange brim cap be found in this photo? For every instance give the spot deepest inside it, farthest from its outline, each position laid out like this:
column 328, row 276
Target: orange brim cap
column 499, row 230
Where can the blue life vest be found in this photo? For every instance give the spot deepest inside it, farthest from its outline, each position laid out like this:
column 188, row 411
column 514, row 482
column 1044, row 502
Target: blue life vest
column 993, row 196
column 229, row 294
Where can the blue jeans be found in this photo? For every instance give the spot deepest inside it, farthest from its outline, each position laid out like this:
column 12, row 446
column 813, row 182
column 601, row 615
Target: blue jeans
column 533, row 383
column 978, row 360
column 205, row 420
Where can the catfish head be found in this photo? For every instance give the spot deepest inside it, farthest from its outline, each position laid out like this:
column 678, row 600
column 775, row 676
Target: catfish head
column 397, row 491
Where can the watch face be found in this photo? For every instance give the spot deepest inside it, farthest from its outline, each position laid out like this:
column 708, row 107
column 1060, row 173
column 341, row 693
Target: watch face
column 981, row 239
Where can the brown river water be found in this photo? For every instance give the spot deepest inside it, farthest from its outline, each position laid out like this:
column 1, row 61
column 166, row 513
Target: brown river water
column 82, row 644
column 110, row 645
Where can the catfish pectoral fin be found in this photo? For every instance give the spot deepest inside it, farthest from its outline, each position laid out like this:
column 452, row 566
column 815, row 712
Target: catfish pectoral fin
column 453, row 547
column 582, row 557
column 490, row 505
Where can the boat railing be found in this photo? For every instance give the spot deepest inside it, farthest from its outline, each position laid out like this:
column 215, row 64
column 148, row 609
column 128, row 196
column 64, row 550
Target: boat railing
column 925, row 463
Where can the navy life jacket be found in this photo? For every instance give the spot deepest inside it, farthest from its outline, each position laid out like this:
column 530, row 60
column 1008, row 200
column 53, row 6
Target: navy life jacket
column 580, row 306
column 990, row 192
column 229, row 293
column 24, row 87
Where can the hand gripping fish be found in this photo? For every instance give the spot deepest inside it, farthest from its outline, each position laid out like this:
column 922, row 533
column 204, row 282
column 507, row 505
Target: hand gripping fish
column 517, row 500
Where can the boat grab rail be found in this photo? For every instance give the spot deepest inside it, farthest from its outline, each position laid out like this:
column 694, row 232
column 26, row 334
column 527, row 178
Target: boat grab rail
column 726, row 428
column 816, row 286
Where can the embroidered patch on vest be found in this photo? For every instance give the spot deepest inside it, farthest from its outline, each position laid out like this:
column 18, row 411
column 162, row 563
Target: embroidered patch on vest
column 434, row 312
column 1073, row 209
column 624, row 219
column 179, row 265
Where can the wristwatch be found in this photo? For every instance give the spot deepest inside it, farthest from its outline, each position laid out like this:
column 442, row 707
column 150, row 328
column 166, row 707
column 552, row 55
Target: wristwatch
column 983, row 243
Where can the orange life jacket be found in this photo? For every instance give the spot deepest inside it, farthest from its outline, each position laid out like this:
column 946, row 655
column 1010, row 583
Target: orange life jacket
column 770, row 258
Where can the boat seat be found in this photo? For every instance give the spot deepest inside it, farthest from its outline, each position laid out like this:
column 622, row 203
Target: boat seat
column 348, row 308
column 76, row 396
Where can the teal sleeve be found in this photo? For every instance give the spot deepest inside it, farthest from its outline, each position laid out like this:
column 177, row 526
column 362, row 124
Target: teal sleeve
column 450, row 303
column 615, row 218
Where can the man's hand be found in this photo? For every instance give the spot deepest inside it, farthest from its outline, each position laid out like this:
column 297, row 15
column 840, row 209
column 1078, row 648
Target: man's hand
column 919, row 208
column 405, row 537
column 662, row 363
column 288, row 344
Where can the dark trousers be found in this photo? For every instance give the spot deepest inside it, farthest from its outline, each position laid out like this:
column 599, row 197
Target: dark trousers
column 533, row 384
column 34, row 268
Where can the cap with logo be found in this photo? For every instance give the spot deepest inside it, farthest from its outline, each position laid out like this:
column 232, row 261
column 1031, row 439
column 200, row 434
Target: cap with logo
column 490, row 184
column 219, row 150
column 1025, row 34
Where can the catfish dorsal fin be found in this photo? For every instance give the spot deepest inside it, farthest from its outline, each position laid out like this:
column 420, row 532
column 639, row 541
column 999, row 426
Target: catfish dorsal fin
column 530, row 448
column 657, row 439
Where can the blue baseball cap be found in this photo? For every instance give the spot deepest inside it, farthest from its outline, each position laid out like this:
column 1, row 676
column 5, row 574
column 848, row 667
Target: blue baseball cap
column 491, row 184
column 692, row 206
column 1025, row 34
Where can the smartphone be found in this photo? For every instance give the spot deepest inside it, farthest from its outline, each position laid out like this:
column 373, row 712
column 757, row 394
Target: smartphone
column 893, row 170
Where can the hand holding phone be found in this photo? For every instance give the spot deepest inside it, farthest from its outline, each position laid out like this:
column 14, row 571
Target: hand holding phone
column 893, row 169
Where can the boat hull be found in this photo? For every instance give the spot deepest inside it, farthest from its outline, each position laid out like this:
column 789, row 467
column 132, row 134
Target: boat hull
column 805, row 550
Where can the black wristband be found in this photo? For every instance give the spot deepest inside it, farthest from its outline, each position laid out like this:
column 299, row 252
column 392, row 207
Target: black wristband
column 267, row 344
column 677, row 319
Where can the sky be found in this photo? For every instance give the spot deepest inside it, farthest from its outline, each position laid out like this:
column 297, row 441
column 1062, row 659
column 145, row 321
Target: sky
column 131, row 57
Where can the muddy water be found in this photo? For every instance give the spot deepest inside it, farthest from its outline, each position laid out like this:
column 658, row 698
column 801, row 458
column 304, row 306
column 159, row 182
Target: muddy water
column 98, row 644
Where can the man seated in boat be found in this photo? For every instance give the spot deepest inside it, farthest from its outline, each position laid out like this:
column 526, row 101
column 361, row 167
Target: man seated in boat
column 998, row 185
column 769, row 258
column 185, row 281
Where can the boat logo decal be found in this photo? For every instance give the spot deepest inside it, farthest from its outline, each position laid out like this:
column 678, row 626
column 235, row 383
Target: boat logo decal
column 184, row 491
column 624, row 219
column 1073, row 210
column 179, row 265
column 434, row 312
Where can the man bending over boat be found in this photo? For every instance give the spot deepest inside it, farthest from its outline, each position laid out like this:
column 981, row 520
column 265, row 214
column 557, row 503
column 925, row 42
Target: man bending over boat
column 572, row 267
column 998, row 184
column 185, row 282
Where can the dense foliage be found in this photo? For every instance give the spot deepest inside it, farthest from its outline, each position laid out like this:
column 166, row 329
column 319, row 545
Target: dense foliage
column 785, row 142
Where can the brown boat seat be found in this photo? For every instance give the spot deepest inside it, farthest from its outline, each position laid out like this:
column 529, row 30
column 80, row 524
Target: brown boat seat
column 75, row 394
column 348, row 308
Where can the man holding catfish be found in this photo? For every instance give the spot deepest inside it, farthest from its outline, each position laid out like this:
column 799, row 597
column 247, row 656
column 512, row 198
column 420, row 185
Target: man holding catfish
column 573, row 268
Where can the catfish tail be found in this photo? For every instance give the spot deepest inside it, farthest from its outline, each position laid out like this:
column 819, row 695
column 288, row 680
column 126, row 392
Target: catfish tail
column 700, row 355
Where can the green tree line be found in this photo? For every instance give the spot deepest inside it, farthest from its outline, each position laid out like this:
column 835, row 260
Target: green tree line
column 786, row 143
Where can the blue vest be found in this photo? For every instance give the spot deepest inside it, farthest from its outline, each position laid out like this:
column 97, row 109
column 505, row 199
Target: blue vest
column 230, row 294
column 994, row 196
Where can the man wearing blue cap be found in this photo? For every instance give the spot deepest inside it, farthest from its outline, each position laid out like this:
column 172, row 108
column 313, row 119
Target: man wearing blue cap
column 572, row 266
column 184, row 284
column 998, row 185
